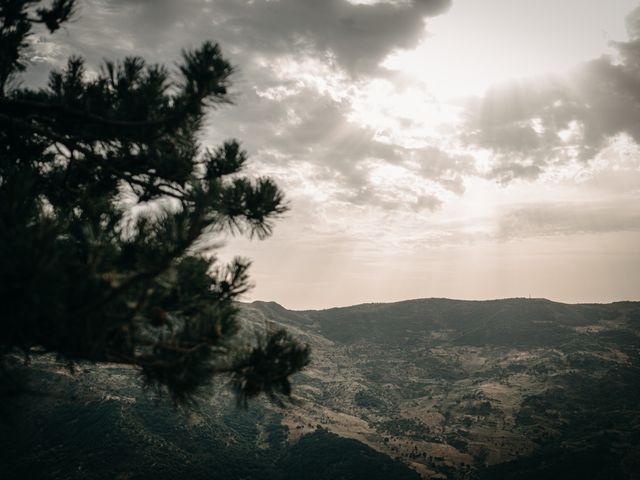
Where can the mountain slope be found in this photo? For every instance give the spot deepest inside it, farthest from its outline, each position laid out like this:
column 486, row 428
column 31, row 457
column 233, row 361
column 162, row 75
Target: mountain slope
column 437, row 388
column 454, row 387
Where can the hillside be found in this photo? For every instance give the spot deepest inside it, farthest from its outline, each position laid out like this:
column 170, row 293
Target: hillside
column 437, row 388
column 454, row 388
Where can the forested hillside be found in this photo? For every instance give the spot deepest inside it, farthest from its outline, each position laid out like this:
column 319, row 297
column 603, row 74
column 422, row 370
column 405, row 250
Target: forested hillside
column 513, row 389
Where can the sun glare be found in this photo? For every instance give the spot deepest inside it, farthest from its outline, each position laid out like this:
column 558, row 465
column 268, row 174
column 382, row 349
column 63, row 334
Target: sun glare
column 474, row 46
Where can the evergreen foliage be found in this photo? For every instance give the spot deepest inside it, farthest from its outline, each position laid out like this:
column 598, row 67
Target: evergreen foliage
column 108, row 204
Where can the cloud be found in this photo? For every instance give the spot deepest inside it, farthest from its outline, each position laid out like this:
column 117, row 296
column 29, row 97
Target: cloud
column 299, row 128
column 356, row 36
column 447, row 169
column 549, row 219
column 534, row 125
column 300, row 65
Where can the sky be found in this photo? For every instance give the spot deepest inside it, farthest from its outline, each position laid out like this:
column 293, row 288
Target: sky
column 468, row 149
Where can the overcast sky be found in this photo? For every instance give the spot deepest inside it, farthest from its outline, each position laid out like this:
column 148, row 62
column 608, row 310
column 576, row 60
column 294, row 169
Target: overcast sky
column 428, row 148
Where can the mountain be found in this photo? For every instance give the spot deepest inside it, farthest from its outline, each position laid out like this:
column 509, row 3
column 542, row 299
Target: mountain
column 432, row 388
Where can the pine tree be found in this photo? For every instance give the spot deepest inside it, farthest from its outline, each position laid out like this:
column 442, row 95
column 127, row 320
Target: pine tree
column 108, row 204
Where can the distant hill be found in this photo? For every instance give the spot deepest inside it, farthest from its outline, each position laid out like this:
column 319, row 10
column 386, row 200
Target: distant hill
column 431, row 388
column 497, row 322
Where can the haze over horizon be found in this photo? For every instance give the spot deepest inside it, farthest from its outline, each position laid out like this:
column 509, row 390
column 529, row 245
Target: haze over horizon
column 406, row 300
column 427, row 148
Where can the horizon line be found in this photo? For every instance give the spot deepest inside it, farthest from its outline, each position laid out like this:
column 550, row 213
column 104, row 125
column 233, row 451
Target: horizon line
column 390, row 302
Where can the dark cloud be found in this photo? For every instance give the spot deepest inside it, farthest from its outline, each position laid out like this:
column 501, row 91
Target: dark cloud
column 356, row 36
column 359, row 36
column 530, row 126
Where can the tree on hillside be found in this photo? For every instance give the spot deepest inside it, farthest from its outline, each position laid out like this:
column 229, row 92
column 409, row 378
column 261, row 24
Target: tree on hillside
column 108, row 204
